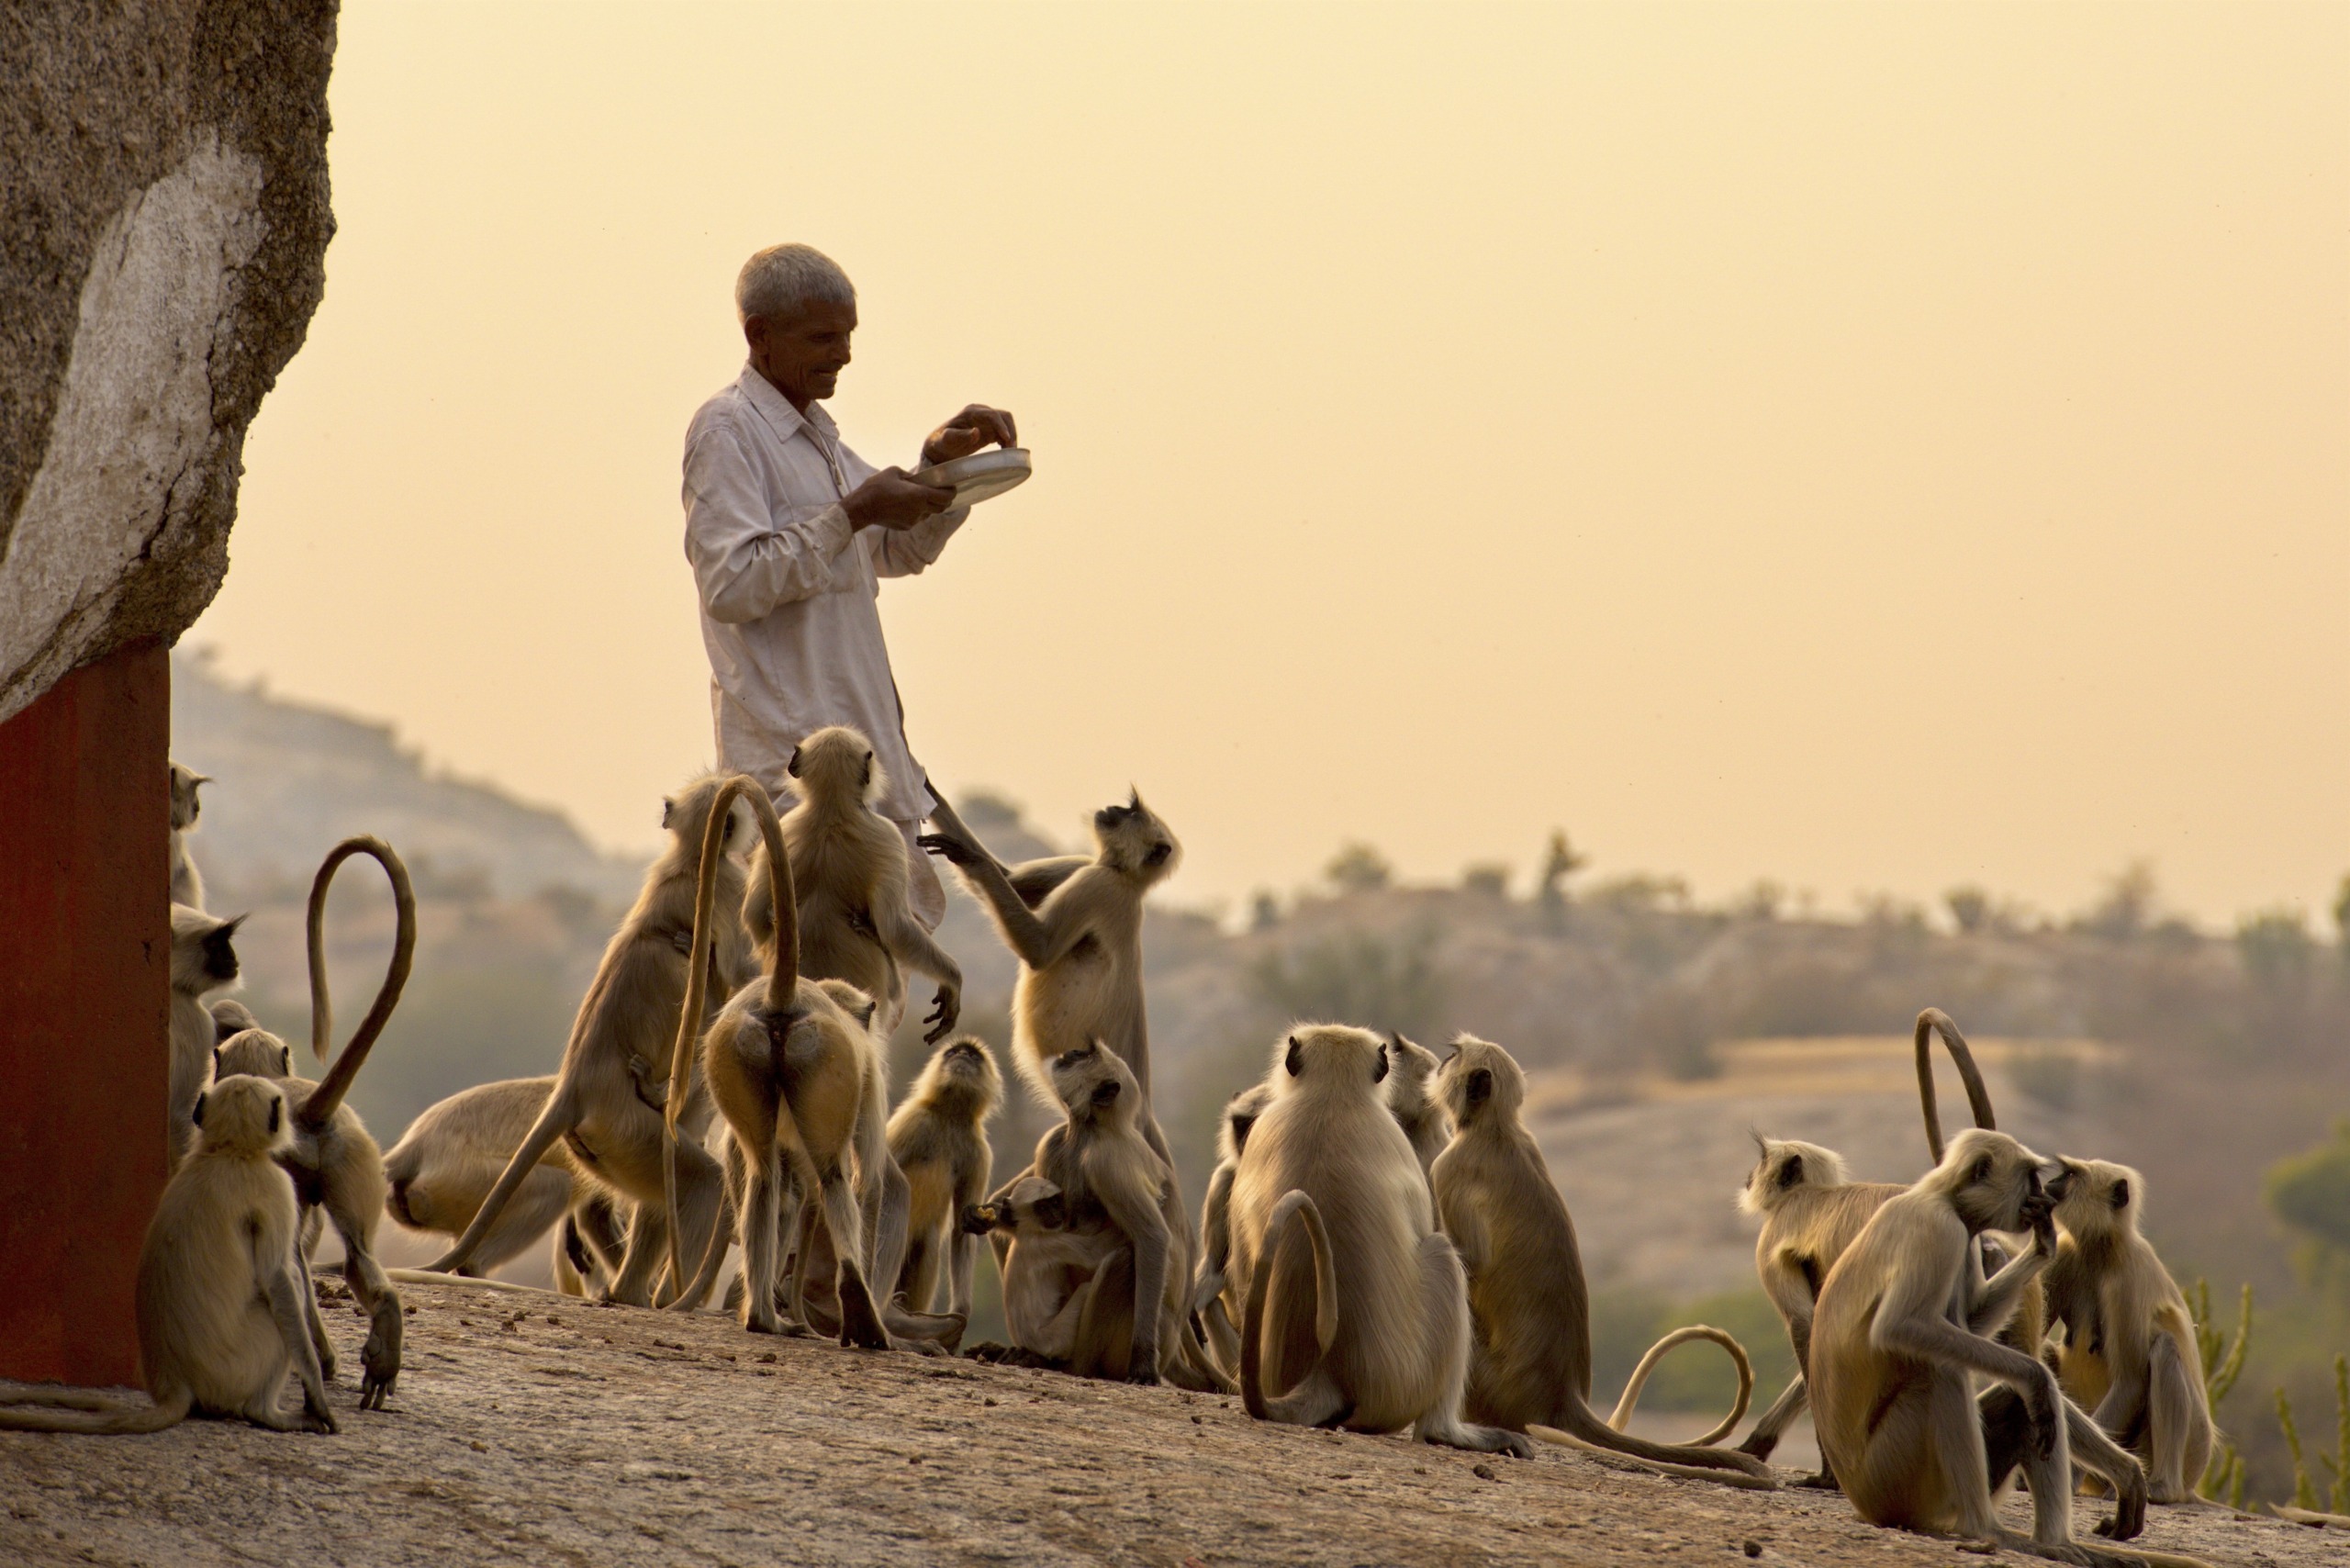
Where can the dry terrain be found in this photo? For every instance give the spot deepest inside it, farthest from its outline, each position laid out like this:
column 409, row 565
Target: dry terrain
column 532, row 1429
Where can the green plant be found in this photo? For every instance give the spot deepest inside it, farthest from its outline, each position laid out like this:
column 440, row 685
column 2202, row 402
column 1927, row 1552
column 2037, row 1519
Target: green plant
column 2222, row 1361
column 2338, row 1461
column 2304, row 1494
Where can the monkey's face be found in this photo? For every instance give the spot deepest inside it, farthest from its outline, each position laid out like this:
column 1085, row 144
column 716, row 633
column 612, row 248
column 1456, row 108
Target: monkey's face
column 836, row 764
column 1093, row 1084
column 1132, row 839
column 204, row 951
column 2097, row 1197
column 1480, row 1080
column 966, row 1060
column 1995, row 1183
column 1410, row 1067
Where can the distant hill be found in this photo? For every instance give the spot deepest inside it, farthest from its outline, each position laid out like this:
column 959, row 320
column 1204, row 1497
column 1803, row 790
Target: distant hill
column 292, row 780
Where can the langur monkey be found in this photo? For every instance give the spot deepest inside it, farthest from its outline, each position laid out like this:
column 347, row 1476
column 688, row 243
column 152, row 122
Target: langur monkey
column 1410, row 1066
column 1049, row 1298
column 229, row 1016
column 1215, row 1295
column 2129, row 1356
column 1357, row 1304
column 938, row 1136
column 221, row 1310
column 607, row 1102
column 1530, row 1370
column 204, row 958
column 1900, row 1340
column 1079, row 946
column 336, row 1166
column 1114, row 1180
column 849, row 868
column 451, row 1155
column 187, row 883
column 805, row 1090
column 1812, row 1211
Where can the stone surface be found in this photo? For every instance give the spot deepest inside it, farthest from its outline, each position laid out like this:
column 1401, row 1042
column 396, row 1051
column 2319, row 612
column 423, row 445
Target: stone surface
column 532, row 1429
column 163, row 221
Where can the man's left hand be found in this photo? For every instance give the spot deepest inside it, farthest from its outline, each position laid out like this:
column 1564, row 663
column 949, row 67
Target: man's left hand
column 974, row 427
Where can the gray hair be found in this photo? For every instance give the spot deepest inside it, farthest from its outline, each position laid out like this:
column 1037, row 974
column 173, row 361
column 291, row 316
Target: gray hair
column 780, row 280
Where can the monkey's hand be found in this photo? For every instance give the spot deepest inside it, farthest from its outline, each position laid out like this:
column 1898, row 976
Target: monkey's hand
column 2129, row 1507
column 379, row 1359
column 317, row 1417
column 978, row 1218
column 942, row 1017
column 949, row 848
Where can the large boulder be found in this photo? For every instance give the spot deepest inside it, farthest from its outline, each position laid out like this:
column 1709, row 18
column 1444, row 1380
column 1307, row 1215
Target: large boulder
column 163, row 224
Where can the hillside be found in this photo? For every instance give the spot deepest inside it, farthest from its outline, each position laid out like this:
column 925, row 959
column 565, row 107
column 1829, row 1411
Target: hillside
column 1657, row 1031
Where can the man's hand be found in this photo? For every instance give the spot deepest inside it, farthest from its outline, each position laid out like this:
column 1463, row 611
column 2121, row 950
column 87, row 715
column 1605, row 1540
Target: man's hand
column 890, row 499
column 974, row 427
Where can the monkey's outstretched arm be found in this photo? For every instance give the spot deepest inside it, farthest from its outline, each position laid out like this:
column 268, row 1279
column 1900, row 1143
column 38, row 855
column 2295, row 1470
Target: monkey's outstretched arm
column 917, row 949
column 1034, row 881
column 1036, row 936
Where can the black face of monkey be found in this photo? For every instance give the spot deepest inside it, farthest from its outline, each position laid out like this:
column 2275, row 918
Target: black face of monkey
column 221, row 951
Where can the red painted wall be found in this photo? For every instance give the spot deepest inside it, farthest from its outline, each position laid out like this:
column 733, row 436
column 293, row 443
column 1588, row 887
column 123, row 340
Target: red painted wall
column 85, row 1014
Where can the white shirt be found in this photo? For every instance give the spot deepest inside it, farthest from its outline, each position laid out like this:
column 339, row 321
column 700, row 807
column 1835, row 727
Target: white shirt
column 788, row 588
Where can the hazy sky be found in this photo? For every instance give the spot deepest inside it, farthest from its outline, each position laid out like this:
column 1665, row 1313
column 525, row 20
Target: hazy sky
column 1871, row 448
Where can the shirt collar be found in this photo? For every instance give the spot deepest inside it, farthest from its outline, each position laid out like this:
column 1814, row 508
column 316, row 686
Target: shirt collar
column 776, row 409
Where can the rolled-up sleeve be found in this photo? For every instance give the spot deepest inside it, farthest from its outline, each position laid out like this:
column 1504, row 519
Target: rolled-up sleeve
column 902, row 553
column 745, row 560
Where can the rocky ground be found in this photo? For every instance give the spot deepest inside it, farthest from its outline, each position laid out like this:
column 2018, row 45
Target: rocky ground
column 535, row 1428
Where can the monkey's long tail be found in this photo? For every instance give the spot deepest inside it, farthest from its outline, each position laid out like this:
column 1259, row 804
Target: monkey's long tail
column 1656, row 1352
column 1579, row 1428
column 1295, row 1205
column 555, row 1120
column 86, row 1410
column 1639, row 1463
column 1931, row 1022
column 320, row 1107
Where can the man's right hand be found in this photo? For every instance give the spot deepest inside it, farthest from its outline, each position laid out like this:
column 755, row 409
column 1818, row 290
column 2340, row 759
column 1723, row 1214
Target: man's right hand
column 890, row 499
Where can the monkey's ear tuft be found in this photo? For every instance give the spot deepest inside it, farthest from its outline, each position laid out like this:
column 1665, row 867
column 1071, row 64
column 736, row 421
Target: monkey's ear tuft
column 276, row 1111
column 1295, row 1059
column 1481, row 1086
column 864, row 779
column 792, row 767
column 668, row 810
column 2120, row 1194
column 1382, row 1072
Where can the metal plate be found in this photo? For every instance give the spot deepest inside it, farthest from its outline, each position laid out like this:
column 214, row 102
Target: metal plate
column 979, row 476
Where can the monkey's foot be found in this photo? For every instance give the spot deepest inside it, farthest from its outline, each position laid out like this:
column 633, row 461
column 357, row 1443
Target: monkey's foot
column 1824, row 1481
column 379, row 1359
column 2068, row 1551
column 861, row 1327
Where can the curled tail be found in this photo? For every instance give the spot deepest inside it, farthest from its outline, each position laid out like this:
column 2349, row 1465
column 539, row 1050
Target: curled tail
column 326, row 1098
column 86, row 1410
column 555, row 1120
column 1295, row 1205
column 1931, row 1022
column 1656, row 1352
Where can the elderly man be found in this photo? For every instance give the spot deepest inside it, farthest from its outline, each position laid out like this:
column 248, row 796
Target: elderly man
column 790, row 533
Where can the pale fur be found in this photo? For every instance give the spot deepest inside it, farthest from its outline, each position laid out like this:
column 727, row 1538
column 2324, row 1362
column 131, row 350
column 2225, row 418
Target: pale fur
column 187, row 883
column 1216, row 1291
column 606, row 1105
column 1811, row 1210
column 849, row 865
column 1080, row 943
column 1361, row 1313
column 1493, row 1195
column 938, row 1136
column 1050, row 1273
column 1898, row 1348
column 2129, row 1356
column 1411, row 1067
column 445, row 1165
column 220, row 1321
column 203, row 959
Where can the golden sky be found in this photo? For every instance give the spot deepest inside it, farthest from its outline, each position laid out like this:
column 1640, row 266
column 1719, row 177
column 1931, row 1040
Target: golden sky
column 1872, row 448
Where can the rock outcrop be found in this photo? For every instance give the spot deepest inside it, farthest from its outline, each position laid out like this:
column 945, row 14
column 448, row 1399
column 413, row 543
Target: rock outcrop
column 163, row 224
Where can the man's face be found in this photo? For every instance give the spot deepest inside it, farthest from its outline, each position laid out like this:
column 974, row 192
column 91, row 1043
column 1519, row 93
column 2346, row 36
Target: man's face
column 802, row 353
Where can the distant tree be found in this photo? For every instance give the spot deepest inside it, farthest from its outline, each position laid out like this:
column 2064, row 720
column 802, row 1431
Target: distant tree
column 1354, row 976
column 1558, row 864
column 2128, row 907
column 1491, row 880
column 1761, row 901
column 2342, row 917
column 2311, row 1193
column 2275, row 949
column 1264, row 912
column 1359, row 868
column 1641, row 894
column 1969, row 908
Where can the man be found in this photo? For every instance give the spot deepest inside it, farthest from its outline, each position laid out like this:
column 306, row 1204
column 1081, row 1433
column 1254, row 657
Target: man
column 790, row 533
